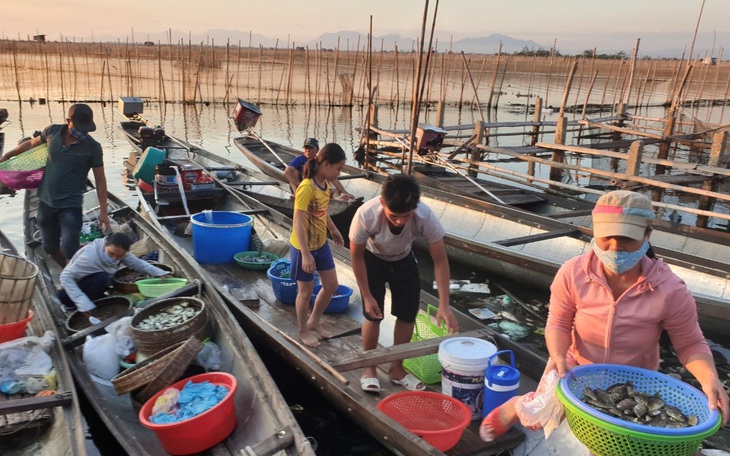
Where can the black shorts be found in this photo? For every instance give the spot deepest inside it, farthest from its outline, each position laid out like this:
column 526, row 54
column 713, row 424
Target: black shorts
column 404, row 282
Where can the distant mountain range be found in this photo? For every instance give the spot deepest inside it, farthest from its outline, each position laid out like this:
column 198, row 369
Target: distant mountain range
column 350, row 39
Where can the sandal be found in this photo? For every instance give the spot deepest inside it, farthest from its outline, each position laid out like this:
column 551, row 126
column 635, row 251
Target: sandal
column 410, row 382
column 497, row 429
column 370, row 385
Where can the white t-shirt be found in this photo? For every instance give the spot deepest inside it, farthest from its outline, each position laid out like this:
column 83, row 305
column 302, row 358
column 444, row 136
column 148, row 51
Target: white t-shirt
column 370, row 227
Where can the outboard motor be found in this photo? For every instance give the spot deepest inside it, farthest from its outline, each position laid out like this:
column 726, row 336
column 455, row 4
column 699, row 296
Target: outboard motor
column 145, row 137
column 158, row 135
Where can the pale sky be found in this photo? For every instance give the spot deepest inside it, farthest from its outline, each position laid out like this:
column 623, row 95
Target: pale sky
column 576, row 24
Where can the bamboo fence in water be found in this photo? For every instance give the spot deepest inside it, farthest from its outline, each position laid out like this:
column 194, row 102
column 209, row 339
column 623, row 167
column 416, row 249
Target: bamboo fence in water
column 344, row 76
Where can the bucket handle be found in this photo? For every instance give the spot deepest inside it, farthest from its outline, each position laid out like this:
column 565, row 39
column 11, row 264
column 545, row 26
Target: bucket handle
column 496, row 355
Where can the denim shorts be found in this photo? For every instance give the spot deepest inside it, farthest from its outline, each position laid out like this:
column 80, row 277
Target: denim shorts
column 60, row 228
column 402, row 279
column 323, row 261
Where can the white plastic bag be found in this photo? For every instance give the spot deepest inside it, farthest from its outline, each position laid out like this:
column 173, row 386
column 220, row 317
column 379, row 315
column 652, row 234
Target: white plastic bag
column 209, row 357
column 122, row 332
column 542, row 408
column 100, row 356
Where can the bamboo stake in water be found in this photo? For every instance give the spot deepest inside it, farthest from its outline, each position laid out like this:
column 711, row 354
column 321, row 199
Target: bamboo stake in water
column 494, row 76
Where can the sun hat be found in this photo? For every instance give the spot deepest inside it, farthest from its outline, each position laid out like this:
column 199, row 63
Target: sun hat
column 311, row 142
column 82, row 117
column 622, row 213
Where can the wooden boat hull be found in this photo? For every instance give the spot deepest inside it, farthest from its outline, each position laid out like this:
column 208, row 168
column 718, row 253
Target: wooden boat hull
column 274, row 192
column 53, row 426
column 530, row 247
column 264, row 419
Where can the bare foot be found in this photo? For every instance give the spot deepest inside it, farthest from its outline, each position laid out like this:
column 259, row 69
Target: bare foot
column 309, row 338
column 321, row 332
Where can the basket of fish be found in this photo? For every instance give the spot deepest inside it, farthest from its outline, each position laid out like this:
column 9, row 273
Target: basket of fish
column 615, row 409
column 169, row 321
column 124, row 279
column 256, row 260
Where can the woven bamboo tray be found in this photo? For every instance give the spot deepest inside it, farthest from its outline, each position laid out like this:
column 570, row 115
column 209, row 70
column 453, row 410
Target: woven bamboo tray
column 181, row 359
column 144, row 371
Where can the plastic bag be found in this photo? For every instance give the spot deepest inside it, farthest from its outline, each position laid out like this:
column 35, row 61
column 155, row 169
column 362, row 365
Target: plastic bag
column 167, row 402
column 209, row 357
column 542, row 408
column 101, row 357
column 124, row 340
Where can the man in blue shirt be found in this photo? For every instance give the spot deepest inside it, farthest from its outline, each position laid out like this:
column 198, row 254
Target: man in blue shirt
column 71, row 154
column 293, row 172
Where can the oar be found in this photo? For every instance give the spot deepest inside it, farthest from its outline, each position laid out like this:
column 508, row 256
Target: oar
column 263, row 141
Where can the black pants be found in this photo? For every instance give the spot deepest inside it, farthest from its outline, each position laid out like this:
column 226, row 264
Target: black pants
column 402, row 279
column 94, row 286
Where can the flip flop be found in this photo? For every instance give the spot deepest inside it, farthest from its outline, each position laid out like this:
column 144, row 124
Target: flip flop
column 410, row 382
column 370, row 385
column 497, row 428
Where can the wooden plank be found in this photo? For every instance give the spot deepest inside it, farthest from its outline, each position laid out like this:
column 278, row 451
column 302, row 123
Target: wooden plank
column 397, row 352
column 539, row 237
column 35, row 403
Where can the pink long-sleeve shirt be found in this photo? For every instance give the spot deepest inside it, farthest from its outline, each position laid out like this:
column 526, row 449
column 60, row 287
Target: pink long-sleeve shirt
column 623, row 331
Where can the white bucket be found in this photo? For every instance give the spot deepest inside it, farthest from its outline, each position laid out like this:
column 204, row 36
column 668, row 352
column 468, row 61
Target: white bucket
column 463, row 362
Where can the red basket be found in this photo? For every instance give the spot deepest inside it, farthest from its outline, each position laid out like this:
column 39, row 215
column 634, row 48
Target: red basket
column 438, row 419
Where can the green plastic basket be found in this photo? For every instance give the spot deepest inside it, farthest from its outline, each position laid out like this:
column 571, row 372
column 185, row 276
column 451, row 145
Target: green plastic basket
column 427, row 367
column 246, row 259
column 153, row 288
column 29, row 160
column 605, row 438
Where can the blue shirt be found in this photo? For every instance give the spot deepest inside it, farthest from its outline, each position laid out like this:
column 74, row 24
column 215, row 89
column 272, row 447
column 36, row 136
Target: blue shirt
column 64, row 181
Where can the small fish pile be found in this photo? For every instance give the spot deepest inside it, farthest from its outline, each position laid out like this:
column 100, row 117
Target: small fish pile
column 623, row 401
column 129, row 276
column 258, row 259
column 172, row 316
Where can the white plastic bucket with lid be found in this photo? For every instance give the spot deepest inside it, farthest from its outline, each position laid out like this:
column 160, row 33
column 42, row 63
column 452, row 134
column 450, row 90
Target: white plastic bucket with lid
column 463, row 362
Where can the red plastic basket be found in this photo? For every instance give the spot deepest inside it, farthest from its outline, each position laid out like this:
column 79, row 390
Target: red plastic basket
column 438, row 419
column 25, row 170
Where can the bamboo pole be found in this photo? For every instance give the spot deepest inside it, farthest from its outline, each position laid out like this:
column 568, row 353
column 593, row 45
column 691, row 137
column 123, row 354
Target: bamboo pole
column 260, row 69
column 632, row 69
column 714, row 87
column 474, row 87
column 550, row 71
column 494, row 77
column 17, row 73
column 501, row 82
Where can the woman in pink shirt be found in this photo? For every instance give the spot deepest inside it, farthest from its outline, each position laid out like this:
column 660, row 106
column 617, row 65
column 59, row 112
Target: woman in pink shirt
column 610, row 305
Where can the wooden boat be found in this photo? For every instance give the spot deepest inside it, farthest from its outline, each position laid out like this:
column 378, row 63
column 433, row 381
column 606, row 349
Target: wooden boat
column 265, row 424
column 512, row 242
column 272, row 192
column 331, row 368
column 48, row 425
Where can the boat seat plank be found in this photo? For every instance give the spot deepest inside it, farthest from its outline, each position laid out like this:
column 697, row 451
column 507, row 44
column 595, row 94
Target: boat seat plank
column 570, row 214
column 538, row 237
column 34, row 403
column 396, row 352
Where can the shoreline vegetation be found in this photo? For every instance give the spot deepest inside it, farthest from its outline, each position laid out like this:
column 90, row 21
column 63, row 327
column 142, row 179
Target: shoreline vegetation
column 213, row 74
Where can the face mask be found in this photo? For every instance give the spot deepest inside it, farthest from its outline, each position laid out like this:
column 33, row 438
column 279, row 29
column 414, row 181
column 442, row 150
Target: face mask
column 621, row 261
column 80, row 135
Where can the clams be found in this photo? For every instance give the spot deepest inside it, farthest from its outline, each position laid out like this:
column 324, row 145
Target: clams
column 623, row 401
